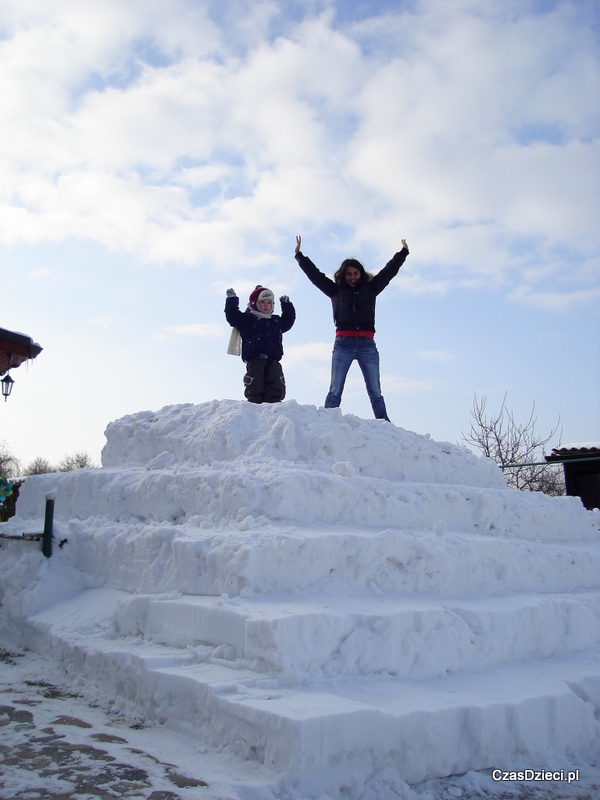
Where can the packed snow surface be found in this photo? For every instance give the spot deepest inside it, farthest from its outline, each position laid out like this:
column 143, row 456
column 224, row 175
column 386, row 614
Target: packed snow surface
column 338, row 602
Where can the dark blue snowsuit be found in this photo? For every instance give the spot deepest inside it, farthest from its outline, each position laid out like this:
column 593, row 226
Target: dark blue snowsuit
column 262, row 349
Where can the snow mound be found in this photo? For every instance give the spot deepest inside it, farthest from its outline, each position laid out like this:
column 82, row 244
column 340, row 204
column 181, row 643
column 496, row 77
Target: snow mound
column 289, row 434
column 237, row 465
column 338, row 601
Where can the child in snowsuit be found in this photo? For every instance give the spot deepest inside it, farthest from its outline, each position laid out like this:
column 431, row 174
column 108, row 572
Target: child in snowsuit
column 260, row 333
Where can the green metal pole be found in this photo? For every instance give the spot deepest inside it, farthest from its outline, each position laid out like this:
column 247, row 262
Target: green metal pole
column 47, row 537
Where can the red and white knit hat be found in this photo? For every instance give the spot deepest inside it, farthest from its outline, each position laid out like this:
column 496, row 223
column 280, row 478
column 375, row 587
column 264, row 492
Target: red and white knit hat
column 260, row 293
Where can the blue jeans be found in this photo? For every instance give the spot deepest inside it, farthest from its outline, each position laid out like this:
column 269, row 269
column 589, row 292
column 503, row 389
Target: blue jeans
column 345, row 350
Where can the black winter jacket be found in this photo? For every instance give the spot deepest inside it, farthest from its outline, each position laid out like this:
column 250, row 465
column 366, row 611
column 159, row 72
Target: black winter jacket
column 260, row 336
column 353, row 309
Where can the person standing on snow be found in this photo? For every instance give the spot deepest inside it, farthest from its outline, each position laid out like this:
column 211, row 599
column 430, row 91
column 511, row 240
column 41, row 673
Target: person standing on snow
column 353, row 292
column 258, row 337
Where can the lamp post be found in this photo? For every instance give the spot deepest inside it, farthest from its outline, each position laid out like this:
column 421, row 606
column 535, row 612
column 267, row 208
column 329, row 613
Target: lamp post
column 7, row 384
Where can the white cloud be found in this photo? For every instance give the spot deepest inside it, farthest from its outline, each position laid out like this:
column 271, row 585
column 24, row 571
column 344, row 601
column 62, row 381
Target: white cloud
column 36, row 274
column 102, row 322
column 306, row 354
column 465, row 127
column 395, row 384
column 443, row 356
column 201, row 330
column 554, row 301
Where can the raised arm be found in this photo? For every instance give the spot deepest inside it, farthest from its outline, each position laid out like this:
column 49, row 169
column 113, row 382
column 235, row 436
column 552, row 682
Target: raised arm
column 314, row 275
column 391, row 269
column 232, row 310
column 288, row 313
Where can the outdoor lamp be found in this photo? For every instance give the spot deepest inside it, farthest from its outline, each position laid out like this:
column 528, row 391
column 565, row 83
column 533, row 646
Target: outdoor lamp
column 7, row 384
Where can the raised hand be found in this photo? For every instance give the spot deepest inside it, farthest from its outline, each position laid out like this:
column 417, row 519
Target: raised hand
column 231, row 293
column 298, row 243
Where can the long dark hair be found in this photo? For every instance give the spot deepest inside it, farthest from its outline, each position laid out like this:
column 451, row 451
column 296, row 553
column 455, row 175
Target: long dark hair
column 340, row 275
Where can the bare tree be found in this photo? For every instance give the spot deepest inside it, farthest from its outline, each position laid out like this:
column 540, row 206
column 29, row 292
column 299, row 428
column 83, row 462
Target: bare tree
column 39, row 466
column 517, row 448
column 9, row 465
column 9, row 468
column 76, row 461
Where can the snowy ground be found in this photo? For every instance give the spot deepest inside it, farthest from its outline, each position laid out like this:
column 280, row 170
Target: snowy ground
column 59, row 741
column 300, row 604
column 54, row 743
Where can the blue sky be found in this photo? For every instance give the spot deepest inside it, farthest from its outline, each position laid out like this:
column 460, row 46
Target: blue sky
column 155, row 153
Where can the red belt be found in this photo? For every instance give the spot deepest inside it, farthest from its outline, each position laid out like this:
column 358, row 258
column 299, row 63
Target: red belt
column 357, row 334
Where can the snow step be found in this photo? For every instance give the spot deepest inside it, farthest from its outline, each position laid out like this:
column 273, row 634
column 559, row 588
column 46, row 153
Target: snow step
column 325, row 560
column 422, row 729
column 164, row 496
column 495, row 715
column 414, row 637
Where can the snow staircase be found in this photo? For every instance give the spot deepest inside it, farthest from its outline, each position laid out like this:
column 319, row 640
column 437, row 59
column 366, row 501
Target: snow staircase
column 327, row 685
column 465, row 637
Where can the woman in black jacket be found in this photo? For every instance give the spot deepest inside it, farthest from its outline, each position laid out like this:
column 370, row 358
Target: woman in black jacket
column 353, row 292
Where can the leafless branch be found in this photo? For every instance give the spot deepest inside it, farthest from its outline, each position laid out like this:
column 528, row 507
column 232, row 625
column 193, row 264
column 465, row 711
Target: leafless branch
column 509, row 443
